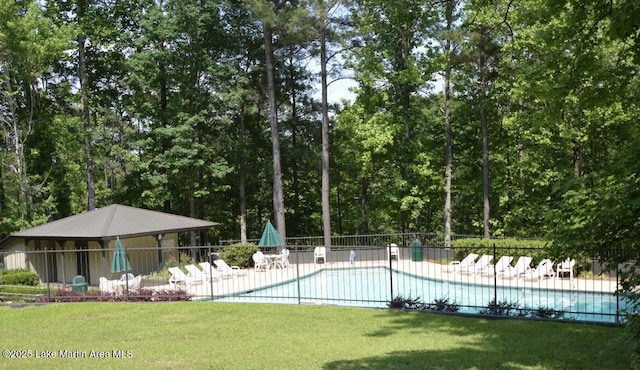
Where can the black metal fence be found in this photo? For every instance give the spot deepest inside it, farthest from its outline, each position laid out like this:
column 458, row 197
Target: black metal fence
column 376, row 271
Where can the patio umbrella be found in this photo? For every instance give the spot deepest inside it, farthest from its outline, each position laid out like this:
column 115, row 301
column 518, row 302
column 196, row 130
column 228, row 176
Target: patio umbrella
column 120, row 262
column 270, row 237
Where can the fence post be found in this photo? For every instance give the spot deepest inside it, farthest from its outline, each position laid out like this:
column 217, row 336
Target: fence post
column 297, row 250
column 495, row 276
column 46, row 273
column 208, row 259
column 390, row 269
column 617, row 294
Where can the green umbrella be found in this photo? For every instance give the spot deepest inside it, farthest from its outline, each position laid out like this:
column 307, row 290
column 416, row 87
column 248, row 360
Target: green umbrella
column 120, row 261
column 270, row 237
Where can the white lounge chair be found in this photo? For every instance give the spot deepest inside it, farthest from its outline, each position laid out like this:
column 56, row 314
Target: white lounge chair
column 196, row 274
column 503, row 263
column 178, row 276
column 455, row 266
column 260, row 262
column 521, row 266
column 210, row 271
column 320, row 253
column 564, row 267
column 477, row 266
column 394, row 251
column 544, row 269
column 227, row 271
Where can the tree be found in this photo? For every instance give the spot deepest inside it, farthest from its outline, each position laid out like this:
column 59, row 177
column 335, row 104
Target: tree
column 448, row 37
column 29, row 45
column 392, row 65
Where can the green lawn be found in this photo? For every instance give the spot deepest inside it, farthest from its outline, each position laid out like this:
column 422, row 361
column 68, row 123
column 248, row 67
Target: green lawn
column 201, row 335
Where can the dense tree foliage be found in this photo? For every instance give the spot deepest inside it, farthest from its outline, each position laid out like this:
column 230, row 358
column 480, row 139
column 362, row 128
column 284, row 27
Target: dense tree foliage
column 475, row 117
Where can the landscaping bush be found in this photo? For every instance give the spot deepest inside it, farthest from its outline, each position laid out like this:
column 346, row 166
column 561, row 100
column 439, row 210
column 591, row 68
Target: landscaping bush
column 502, row 308
column 505, row 308
column 400, row 302
column 443, row 305
column 633, row 337
column 20, row 293
column 19, row 277
column 439, row 305
column 22, row 290
column 239, row 254
column 141, row 295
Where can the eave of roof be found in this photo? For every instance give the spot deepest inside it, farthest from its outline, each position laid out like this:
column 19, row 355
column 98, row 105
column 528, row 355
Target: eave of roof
column 111, row 222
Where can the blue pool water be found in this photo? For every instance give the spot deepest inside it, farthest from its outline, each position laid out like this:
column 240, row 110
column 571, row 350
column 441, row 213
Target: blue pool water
column 375, row 287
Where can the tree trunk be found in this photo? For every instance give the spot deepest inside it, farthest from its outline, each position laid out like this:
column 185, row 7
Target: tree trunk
column 364, row 206
column 485, row 152
column 278, row 195
column 447, row 131
column 15, row 141
column 86, row 117
column 242, row 172
column 326, row 213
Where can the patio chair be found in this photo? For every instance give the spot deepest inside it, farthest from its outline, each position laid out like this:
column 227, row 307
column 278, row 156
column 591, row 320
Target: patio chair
column 521, row 266
column 195, row 274
column 394, row 251
column 260, row 262
column 503, row 263
column 227, row 271
column 564, row 267
column 320, row 253
column 455, row 266
column 106, row 285
column 544, row 269
column 210, row 271
column 136, row 283
column 478, row 266
column 283, row 261
column 128, row 281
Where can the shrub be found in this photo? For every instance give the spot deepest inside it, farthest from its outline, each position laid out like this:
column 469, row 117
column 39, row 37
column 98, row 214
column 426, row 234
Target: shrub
column 19, row 277
column 21, row 293
column 633, row 337
column 505, row 308
column 443, row 305
column 546, row 313
column 502, row 308
column 142, row 295
column 239, row 254
column 400, row 302
column 408, row 303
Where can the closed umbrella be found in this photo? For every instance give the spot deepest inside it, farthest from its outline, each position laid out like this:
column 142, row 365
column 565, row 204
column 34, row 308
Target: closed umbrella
column 270, row 237
column 120, row 262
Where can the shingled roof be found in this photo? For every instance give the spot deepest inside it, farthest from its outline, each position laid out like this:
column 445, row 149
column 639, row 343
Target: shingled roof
column 113, row 221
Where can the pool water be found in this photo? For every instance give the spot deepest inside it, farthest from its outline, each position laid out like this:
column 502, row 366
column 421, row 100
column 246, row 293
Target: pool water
column 375, row 287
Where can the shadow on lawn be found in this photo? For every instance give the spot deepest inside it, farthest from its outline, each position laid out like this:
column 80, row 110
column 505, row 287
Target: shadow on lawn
column 420, row 360
column 498, row 343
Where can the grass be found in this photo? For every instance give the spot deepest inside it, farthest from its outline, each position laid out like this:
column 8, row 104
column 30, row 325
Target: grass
column 203, row 335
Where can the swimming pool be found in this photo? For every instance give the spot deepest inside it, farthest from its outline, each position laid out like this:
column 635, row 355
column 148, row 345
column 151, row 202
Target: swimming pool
column 375, row 287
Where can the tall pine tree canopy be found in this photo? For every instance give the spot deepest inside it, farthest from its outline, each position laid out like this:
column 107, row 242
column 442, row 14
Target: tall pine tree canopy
column 178, row 106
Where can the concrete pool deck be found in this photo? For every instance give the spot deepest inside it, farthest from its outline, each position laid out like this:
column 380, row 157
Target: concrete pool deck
column 251, row 279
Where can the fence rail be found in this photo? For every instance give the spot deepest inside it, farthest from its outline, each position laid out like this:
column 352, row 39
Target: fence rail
column 352, row 273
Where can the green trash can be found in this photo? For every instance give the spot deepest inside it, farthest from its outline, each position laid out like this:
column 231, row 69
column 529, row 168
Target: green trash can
column 416, row 250
column 79, row 284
